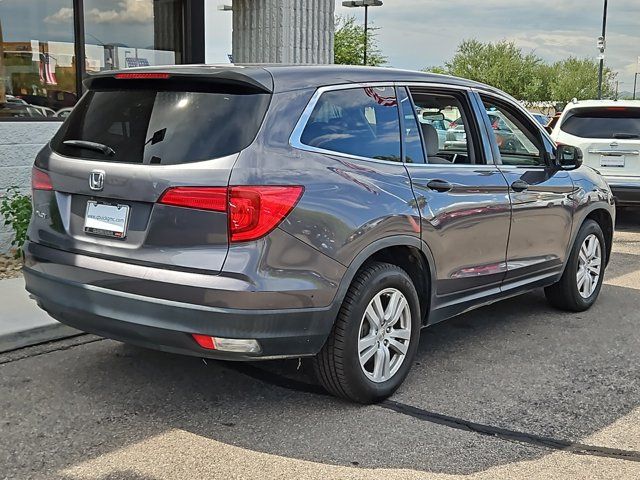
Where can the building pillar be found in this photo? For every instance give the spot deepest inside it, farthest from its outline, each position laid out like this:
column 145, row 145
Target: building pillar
column 283, row 31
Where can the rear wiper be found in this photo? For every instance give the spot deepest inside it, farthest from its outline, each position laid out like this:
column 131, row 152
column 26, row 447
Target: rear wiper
column 622, row 136
column 98, row 147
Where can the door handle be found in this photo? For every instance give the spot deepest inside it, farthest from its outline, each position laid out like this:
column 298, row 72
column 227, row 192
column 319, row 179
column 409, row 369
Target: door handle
column 439, row 185
column 519, row 186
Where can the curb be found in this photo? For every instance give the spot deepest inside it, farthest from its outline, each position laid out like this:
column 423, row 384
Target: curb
column 34, row 336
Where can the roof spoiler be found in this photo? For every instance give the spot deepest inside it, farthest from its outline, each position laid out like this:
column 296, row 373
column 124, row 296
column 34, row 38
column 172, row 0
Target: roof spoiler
column 254, row 81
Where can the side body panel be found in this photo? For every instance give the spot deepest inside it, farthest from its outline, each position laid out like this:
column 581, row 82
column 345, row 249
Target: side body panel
column 542, row 213
column 466, row 228
column 348, row 202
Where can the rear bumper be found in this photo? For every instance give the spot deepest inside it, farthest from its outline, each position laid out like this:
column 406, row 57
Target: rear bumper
column 626, row 190
column 167, row 324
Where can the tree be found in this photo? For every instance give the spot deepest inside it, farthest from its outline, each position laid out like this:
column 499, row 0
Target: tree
column 525, row 75
column 349, row 43
column 502, row 65
column 578, row 78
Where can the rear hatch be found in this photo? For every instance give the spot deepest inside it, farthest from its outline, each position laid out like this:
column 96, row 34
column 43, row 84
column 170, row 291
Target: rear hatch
column 131, row 138
column 608, row 136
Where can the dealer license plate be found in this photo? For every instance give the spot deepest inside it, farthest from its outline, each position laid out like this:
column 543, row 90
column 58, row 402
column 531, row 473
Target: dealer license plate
column 106, row 219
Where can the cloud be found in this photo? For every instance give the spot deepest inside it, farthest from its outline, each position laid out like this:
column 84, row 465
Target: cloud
column 63, row 15
column 125, row 11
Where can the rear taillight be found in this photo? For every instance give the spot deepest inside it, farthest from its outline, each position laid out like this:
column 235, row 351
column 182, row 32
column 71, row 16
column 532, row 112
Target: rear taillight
column 203, row 198
column 256, row 211
column 252, row 211
column 40, row 180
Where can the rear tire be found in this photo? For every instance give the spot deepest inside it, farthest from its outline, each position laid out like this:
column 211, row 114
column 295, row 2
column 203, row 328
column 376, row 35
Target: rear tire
column 375, row 337
column 580, row 284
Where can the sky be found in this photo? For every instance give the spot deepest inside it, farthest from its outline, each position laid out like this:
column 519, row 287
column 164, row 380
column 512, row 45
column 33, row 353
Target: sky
column 413, row 33
column 418, row 33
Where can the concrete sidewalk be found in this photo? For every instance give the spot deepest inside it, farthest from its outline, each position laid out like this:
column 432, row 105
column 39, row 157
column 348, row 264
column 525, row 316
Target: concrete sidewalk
column 22, row 323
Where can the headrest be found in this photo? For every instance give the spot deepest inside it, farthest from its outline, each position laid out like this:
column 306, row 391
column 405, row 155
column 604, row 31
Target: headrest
column 431, row 139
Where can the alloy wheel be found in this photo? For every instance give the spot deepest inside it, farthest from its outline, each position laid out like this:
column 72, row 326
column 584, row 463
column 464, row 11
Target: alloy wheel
column 385, row 333
column 589, row 266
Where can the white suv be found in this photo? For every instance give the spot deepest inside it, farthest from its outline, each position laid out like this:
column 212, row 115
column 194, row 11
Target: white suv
column 608, row 133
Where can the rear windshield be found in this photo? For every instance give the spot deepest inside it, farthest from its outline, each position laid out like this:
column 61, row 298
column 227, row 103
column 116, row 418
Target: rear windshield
column 610, row 122
column 160, row 126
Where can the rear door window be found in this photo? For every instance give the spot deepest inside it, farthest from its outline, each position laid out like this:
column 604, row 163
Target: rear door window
column 358, row 121
column 609, row 122
column 413, row 152
column 447, row 129
column 161, row 127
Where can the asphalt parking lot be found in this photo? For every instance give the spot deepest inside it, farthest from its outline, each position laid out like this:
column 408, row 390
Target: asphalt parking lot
column 513, row 390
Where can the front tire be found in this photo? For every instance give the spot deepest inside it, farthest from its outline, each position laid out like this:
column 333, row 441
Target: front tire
column 580, row 284
column 375, row 337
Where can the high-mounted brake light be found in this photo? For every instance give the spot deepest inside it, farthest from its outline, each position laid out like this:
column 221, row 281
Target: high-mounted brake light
column 142, row 76
column 252, row 211
column 40, row 180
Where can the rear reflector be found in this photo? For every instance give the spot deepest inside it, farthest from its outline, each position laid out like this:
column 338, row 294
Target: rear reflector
column 40, row 180
column 252, row 211
column 204, row 341
column 142, row 76
column 204, row 198
column 238, row 345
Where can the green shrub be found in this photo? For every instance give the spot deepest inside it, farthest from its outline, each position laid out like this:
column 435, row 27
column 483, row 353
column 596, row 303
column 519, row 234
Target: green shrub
column 16, row 210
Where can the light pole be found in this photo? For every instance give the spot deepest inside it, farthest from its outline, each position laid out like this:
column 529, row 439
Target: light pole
column 635, row 79
column 366, row 4
column 602, row 43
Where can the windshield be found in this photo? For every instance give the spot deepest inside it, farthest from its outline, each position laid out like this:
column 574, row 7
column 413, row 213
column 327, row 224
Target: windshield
column 610, row 122
column 160, row 127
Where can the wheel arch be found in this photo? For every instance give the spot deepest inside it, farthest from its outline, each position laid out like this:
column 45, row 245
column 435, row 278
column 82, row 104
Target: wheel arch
column 407, row 252
column 603, row 218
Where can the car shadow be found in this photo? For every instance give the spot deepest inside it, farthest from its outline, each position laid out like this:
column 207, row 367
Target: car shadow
column 517, row 364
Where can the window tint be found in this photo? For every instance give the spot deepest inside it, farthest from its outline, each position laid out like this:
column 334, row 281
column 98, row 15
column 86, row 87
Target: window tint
column 517, row 137
column 358, row 121
column 445, row 130
column 610, row 122
column 162, row 127
column 413, row 152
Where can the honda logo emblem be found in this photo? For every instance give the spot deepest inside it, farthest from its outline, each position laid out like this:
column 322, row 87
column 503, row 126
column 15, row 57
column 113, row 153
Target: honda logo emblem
column 96, row 180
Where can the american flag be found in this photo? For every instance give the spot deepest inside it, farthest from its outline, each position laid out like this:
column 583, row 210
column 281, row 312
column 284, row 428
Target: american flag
column 384, row 101
column 47, row 69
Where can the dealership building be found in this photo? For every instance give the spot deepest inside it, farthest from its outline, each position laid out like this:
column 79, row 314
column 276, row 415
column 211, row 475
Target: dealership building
column 48, row 48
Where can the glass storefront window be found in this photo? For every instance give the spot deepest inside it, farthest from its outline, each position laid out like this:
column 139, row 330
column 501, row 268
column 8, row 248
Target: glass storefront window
column 37, row 62
column 132, row 33
column 38, row 77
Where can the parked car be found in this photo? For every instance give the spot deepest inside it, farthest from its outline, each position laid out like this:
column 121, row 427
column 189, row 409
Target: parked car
column 608, row 131
column 64, row 112
column 541, row 118
column 19, row 110
column 302, row 211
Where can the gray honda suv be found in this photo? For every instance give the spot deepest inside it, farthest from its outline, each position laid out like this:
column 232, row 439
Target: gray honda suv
column 261, row 212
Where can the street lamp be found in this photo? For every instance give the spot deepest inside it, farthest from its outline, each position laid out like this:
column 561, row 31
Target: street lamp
column 635, row 79
column 366, row 4
column 602, row 43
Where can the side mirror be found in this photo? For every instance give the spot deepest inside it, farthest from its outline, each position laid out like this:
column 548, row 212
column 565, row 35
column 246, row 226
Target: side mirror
column 568, row 157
